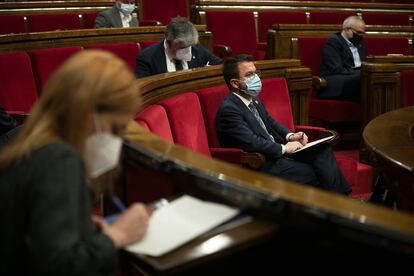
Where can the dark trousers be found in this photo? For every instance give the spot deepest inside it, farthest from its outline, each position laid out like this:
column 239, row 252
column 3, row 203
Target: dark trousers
column 315, row 166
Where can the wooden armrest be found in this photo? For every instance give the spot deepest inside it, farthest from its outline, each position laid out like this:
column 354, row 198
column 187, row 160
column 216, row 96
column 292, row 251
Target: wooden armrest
column 253, row 160
column 222, row 51
column 150, row 23
column 318, row 82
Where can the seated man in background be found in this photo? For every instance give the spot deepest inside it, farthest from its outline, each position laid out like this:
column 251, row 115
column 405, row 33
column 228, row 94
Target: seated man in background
column 242, row 122
column 342, row 56
column 180, row 50
column 118, row 16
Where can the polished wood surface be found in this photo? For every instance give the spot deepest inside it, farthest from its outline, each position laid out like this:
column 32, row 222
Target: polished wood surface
column 390, row 137
column 381, row 85
column 43, row 7
column 55, row 39
column 210, row 246
column 282, row 39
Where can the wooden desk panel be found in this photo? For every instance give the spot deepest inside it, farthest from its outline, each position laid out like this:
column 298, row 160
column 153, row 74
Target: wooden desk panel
column 390, row 137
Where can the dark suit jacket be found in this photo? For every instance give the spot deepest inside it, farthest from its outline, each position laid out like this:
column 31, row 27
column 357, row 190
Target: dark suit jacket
column 112, row 19
column 237, row 127
column 152, row 61
column 7, row 125
column 337, row 65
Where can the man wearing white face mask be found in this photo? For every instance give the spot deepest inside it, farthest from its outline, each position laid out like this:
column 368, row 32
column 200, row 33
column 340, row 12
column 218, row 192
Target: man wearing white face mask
column 179, row 51
column 121, row 15
column 243, row 122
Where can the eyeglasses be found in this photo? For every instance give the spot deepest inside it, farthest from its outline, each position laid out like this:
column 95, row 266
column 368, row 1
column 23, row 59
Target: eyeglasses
column 251, row 74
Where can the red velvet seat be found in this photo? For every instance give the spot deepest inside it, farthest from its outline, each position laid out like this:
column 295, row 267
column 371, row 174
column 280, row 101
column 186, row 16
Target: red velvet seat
column 267, row 18
column 155, row 119
column 407, row 87
column 12, row 24
column 386, row 18
column 163, row 10
column 127, row 51
column 380, row 46
column 52, row 22
column 332, row 111
column 329, row 17
column 46, row 61
column 18, row 88
column 239, row 32
column 187, row 124
column 88, row 20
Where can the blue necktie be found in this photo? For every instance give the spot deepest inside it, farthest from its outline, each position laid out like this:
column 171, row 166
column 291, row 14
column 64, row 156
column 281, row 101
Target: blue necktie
column 259, row 119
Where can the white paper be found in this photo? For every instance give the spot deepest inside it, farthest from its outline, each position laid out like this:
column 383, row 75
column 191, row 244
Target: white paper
column 179, row 222
column 308, row 145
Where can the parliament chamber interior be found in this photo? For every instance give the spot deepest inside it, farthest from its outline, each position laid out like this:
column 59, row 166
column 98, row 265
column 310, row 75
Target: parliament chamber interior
column 171, row 147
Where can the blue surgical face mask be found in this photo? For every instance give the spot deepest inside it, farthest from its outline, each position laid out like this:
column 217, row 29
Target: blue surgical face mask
column 253, row 86
column 127, row 8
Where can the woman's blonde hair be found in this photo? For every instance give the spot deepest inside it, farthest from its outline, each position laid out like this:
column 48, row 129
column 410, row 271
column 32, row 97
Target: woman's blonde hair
column 89, row 82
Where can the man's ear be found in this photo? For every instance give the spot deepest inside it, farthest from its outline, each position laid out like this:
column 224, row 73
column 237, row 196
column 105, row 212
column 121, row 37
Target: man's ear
column 235, row 84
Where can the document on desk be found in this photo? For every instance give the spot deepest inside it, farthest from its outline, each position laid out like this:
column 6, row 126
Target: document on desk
column 179, row 222
column 316, row 142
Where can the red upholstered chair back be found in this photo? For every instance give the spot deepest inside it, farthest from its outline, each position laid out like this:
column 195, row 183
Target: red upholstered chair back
column 210, row 100
column 46, row 61
column 127, row 51
column 187, row 123
column 52, row 22
column 18, row 88
column 163, row 10
column 235, row 29
column 89, row 20
column 156, row 120
column 276, row 99
column 12, row 24
column 145, row 44
column 386, row 18
column 142, row 123
column 310, row 52
column 329, row 17
column 407, row 87
column 268, row 18
column 380, row 46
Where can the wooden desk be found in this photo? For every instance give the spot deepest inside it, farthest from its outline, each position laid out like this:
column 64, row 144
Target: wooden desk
column 390, row 137
column 381, row 85
column 208, row 251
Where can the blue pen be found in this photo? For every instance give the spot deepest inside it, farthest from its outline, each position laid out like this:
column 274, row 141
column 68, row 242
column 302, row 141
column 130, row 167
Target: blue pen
column 121, row 207
column 118, row 203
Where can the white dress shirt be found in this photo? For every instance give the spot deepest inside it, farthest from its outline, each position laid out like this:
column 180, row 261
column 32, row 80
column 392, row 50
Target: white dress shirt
column 354, row 51
column 125, row 19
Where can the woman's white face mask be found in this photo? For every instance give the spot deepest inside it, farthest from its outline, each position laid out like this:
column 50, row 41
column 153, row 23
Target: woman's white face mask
column 102, row 151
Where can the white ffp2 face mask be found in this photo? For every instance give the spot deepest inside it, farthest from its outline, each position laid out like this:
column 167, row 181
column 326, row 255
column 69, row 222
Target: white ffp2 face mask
column 184, row 54
column 102, row 152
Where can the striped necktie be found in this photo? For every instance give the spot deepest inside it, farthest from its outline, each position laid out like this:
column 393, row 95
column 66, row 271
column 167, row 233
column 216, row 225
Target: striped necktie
column 259, row 119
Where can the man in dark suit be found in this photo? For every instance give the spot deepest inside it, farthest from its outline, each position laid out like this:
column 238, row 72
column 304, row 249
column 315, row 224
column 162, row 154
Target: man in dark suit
column 242, row 122
column 342, row 56
column 118, row 16
column 179, row 51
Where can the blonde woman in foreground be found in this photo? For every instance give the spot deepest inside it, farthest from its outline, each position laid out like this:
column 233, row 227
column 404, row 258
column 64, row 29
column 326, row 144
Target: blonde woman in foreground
column 70, row 141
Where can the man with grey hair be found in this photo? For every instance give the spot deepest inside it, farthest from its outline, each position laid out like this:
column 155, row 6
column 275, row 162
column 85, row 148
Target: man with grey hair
column 178, row 51
column 342, row 56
